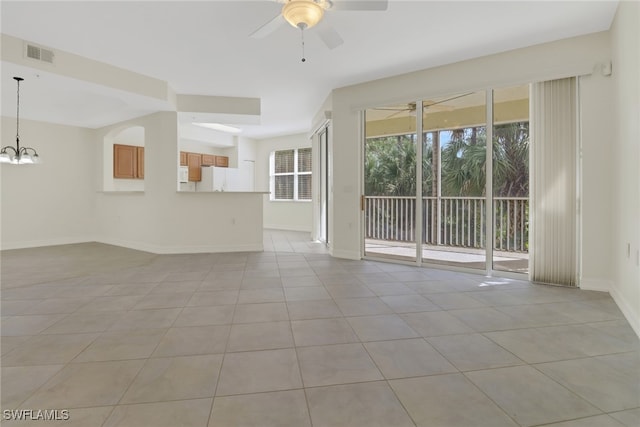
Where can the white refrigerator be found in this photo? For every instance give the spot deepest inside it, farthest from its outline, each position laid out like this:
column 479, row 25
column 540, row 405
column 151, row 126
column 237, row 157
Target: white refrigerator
column 220, row 179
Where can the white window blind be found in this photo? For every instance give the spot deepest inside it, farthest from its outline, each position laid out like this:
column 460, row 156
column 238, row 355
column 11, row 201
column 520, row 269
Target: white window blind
column 554, row 154
column 291, row 174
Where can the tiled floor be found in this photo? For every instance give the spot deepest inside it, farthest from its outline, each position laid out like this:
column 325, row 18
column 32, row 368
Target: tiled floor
column 293, row 337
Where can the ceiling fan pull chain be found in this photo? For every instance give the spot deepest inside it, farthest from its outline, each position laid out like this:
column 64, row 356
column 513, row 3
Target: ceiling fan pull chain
column 302, row 36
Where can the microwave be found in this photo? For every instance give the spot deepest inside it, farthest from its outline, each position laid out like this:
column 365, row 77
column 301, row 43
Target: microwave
column 183, row 174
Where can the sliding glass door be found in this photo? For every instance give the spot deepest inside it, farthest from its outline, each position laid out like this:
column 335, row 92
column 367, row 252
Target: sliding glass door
column 453, row 193
column 466, row 219
column 389, row 201
column 511, row 179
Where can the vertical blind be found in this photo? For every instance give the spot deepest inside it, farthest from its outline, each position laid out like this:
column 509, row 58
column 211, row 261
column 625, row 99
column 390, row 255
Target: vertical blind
column 554, row 162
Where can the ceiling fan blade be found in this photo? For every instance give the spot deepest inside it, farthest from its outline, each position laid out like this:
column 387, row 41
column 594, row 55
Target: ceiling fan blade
column 330, row 36
column 268, row 28
column 360, row 4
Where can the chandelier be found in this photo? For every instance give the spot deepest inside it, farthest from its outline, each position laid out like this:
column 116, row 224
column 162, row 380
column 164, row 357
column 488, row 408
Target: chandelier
column 18, row 155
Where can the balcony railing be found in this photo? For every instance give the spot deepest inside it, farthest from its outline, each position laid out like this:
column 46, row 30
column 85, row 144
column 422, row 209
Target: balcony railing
column 449, row 221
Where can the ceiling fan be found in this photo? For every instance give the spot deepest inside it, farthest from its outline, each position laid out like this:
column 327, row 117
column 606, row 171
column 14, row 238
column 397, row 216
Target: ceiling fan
column 304, row 14
column 434, row 106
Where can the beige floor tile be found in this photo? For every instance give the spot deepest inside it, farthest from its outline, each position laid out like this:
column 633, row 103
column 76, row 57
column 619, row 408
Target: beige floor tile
column 175, row 378
column 380, row 328
column 529, row 396
column 362, row 306
column 487, row 319
column 253, row 296
column 595, row 421
column 168, row 287
column 436, row 323
column 629, row 418
column 9, row 343
column 349, row 291
column 319, row 309
column 387, row 288
column 78, row 323
column 86, row 384
column 300, row 281
column 336, row 364
column 56, row 305
column 274, row 409
column 166, row 300
column 409, row 303
column 322, row 331
column 355, row 405
column 20, row 382
column 48, row 350
column 213, row 298
column 447, row 401
column 28, row 325
column 470, row 352
column 457, row 300
column 122, row 345
column 130, row 289
column 146, row 319
column 204, row 316
column 111, row 303
column 408, row 358
column 306, row 293
column 184, row 413
column 606, row 386
column 193, row 340
column 265, row 312
column 260, row 336
column 259, row 371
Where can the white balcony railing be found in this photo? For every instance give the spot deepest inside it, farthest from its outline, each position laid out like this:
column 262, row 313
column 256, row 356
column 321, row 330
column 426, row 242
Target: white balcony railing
column 449, row 221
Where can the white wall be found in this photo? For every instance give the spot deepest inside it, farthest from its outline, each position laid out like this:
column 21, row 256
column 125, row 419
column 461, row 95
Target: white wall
column 53, row 202
column 282, row 215
column 625, row 149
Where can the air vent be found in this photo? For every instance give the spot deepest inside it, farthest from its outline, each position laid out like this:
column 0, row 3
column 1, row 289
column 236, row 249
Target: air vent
column 39, row 53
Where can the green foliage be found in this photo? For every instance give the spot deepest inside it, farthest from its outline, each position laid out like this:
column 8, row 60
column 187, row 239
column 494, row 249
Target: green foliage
column 390, row 166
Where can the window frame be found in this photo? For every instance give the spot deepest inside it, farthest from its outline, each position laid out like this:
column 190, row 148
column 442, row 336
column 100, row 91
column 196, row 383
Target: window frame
column 296, row 174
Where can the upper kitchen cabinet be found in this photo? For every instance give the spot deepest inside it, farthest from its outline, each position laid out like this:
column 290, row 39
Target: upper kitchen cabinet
column 222, row 161
column 194, row 162
column 128, row 161
column 183, row 158
column 208, row 160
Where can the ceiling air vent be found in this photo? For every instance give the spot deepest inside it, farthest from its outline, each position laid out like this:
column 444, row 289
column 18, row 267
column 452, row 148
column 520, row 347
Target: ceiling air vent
column 39, row 53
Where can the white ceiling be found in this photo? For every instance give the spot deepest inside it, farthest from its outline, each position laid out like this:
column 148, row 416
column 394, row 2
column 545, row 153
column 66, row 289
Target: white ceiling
column 202, row 47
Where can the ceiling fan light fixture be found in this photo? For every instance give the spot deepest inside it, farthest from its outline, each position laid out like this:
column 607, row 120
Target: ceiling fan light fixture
column 302, row 14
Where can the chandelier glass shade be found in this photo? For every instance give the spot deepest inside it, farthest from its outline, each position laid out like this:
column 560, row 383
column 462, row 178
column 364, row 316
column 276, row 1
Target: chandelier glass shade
column 18, row 155
column 303, row 14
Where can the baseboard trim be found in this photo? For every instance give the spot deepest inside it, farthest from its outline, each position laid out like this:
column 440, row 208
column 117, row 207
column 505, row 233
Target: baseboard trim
column 191, row 249
column 287, row 228
column 41, row 243
column 601, row 285
column 627, row 311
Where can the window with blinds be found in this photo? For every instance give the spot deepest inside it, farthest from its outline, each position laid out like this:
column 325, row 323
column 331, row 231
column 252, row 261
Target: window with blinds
column 291, row 174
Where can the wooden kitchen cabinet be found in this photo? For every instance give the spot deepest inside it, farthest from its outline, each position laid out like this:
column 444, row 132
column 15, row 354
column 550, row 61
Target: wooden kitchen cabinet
column 183, row 158
column 140, row 162
column 128, row 161
column 208, row 160
column 222, row 161
column 194, row 162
